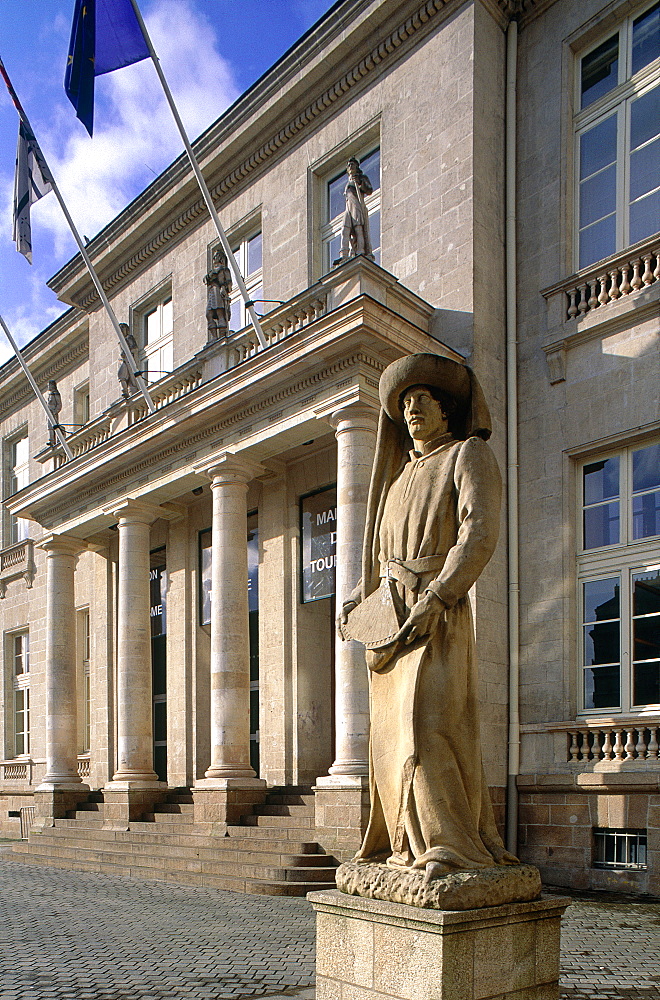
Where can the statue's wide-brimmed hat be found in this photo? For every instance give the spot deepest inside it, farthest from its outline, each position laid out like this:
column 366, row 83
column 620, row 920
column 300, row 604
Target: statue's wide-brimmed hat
column 472, row 416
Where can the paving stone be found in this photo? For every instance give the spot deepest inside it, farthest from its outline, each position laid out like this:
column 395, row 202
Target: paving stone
column 90, row 936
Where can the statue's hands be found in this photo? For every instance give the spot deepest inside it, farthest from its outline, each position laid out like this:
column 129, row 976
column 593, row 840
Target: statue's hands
column 342, row 617
column 423, row 619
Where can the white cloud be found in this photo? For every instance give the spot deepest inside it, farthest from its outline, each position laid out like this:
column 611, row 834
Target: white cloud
column 135, row 135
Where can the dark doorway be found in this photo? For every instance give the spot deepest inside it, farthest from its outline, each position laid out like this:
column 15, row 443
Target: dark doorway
column 158, row 590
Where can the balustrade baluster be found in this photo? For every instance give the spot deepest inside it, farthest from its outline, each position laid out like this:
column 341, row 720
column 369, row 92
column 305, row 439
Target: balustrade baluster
column 640, row 747
column 586, row 748
column 573, row 750
column 618, row 745
column 572, row 308
column 603, row 298
column 614, row 287
column 630, row 745
column 593, row 298
column 656, row 273
column 595, row 746
column 625, row 286
column 653, row 747
column 607, row 746
column 637, row 278
column 583, row 304
column 647, row 277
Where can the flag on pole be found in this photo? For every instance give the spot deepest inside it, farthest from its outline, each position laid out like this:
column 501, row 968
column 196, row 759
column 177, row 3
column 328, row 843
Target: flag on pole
column 105, row 36
column 31, row 182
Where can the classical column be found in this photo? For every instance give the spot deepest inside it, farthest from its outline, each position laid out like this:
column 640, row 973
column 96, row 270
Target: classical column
column 61, row 694
column 134, row 697
column 355, row 430
column 230, row 640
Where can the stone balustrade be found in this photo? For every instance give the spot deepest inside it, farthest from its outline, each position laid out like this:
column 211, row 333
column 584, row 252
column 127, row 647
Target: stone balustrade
column 277, row 325
column 16, row 770
column 91, row 435
column 84, row 765
column 17, row 561
column 629, row 743
column 184, row 379
column 606, row 283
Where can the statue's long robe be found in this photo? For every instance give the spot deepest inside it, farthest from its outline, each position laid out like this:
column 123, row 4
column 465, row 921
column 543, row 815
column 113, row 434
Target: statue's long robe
column 429, row 798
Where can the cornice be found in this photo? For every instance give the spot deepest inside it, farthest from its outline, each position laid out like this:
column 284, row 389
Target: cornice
column 361, row 70
column 186, row 446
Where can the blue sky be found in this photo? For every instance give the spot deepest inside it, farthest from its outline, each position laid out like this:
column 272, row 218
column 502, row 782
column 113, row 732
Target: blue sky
column 211, row 52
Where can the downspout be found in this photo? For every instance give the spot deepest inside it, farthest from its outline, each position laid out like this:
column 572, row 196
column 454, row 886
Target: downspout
column 513, row 752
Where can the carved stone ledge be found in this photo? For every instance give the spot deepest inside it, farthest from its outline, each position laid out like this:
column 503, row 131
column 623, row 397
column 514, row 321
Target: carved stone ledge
column 17, row 561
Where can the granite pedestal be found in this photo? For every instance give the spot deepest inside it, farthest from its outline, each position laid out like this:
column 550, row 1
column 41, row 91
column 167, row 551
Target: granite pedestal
column 367, row 949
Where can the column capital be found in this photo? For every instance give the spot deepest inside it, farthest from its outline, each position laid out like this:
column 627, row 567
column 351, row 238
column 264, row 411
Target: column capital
column 62, row 544
column 143, row 511
column 354, row 416
column 226, row 467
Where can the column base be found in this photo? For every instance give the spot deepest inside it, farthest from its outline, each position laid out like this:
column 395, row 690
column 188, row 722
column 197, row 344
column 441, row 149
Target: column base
column 222, row 801
column 341, row 813
column 370, row 948
column 53, row 801
column 124, row 802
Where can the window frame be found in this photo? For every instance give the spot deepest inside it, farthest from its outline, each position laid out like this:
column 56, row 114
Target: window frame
column 254, row 282
column 617, row 101
column 154, row 300
column 15, row 529
column 331, row 228
column 20, row 685
column 624, row 559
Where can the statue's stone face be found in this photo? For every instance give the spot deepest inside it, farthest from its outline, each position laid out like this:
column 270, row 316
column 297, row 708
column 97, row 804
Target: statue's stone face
column 423, row 414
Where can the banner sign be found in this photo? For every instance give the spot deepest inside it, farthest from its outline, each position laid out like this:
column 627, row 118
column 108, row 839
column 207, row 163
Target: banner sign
column 318, row 531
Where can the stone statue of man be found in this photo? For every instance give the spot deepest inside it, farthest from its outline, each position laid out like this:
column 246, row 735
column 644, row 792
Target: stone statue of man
column 218, row 297
column 355, row 238
column 432, row 525
column 124, row 373
column 54, row 402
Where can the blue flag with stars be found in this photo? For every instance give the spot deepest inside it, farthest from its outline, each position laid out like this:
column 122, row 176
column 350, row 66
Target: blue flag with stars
column 105, row 36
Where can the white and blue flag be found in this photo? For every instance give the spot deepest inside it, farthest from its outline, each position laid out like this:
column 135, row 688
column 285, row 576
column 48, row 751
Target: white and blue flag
column 31, row 182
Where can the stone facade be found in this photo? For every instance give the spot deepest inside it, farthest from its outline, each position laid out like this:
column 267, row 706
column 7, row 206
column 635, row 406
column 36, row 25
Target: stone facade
column 425, row 83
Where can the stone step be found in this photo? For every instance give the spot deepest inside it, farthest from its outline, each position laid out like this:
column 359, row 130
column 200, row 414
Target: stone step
column 287, row 822
column 290, row 799
column 283, row 809
column 215, row 866
column 261, row 832
column 223, row 852
column 175, row 808
column 224, row 882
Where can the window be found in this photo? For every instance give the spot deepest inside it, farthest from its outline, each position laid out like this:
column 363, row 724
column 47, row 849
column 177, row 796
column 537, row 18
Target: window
column 619, row 569
column 618, row 139
column 620, row 849
column 83, row 639
column 81, row 404
column 335, row 205
column 20, row 660
column 17, row 475
column 157, row 340
column 249, row 257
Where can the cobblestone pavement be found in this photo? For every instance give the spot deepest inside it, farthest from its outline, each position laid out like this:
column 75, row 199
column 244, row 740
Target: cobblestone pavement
column 83, row 936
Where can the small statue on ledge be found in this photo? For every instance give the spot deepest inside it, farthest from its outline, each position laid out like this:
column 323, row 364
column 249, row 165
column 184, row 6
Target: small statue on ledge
column 54, row 401
column 218, row 298
column 124, row 373
column 355, row 236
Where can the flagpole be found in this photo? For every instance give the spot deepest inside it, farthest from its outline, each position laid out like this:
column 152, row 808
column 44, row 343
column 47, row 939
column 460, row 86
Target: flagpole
column 81, row 246
column 52, row 420
column 200, row 180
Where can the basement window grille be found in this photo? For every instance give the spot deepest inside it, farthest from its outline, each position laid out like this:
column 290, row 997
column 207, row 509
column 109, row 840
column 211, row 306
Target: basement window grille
column 620, row 849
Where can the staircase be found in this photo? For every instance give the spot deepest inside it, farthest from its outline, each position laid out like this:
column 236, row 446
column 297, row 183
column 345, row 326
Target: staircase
column 271, row 852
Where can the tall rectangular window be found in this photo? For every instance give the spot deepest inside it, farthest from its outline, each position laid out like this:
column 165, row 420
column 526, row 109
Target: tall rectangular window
column 335, row 207
column 17, row 475
column 20, row 663
column 617, row 131
column 158, row 339
column 619, row 569
column 249, row 257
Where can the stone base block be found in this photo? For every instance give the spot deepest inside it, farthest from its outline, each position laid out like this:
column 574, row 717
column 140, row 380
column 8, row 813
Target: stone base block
column 54, row 803
column 126, row 802
column 222, row 801
column 341, row 813
column 367, row 949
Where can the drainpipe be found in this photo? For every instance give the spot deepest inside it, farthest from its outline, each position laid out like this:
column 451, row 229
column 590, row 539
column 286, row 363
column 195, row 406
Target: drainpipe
column 513, row 752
